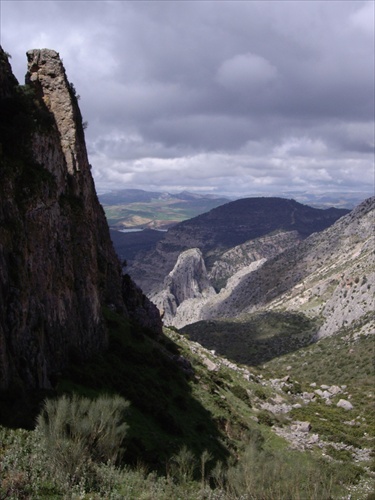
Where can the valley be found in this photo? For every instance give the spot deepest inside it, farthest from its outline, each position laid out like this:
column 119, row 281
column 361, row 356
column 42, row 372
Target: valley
column 135, row 208
column 229, row 358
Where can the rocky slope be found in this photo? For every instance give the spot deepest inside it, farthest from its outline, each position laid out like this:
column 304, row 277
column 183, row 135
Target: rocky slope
column 57, row 263
column 226, row 227
column 329, row 276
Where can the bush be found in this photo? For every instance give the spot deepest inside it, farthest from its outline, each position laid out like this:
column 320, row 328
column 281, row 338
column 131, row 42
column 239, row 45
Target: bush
column 78, row 432
column 267, row 418
column 241, row 393
column 260, row 393
column 279, row 475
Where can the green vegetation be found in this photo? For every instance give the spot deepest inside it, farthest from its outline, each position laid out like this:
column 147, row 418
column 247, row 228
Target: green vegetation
column 163, row 415
column 27, row 472
column 77, row 432
column 187, row 433
column 345, row 360
column 256, row 338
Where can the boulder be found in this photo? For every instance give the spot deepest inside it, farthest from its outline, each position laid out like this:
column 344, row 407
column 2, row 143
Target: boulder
column 343, row 403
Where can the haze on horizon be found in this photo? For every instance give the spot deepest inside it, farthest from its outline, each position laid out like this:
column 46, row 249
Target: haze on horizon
column 235, row 98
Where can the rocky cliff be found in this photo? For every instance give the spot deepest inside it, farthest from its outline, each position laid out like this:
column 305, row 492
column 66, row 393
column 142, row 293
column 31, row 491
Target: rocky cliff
column 58, row 268
column 185, row 285
column 232, row 240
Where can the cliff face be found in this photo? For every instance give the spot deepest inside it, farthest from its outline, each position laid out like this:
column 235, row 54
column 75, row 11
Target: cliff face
column 185, row 284
column 58, row 268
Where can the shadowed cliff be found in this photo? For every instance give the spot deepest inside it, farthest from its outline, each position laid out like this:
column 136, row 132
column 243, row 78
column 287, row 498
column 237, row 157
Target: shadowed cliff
column 57, row 264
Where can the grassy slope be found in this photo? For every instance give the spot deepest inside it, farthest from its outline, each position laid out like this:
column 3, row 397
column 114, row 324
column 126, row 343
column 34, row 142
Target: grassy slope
column 217, row 407
column 344, row 360
column 164, row 414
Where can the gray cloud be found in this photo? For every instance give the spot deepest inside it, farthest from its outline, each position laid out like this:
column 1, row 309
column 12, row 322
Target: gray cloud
column 234, row 97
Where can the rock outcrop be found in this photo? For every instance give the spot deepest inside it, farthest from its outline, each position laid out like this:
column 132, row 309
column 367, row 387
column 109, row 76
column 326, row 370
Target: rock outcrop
column 186, row 283
column 242, row 256
column 58, row 268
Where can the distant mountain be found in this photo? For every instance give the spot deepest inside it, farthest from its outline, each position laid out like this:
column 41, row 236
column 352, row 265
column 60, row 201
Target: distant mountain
column 325, row 200
column 124, row 196
column 225, row 227
column 135, row 208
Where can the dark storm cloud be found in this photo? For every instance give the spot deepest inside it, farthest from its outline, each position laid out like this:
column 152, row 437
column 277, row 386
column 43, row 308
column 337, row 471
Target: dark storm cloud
column 230, row 96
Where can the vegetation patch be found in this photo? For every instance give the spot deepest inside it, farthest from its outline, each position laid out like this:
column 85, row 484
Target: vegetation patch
column 254, row 339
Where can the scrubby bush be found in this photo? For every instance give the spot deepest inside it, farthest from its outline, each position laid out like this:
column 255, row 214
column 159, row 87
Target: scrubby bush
column 78, row 432
column 267, row 418
column 283, row 475
column 241, row 393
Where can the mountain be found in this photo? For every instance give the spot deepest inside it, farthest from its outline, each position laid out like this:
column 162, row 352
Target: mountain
column 57, row 262
column 228, row 226
column 124, row 196
column 346, row 199
column 329, row 278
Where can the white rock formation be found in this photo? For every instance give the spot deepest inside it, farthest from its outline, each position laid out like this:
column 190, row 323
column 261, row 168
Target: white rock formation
column 186, row 285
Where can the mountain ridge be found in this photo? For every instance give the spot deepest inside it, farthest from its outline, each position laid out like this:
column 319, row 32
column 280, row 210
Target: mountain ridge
column 313, row 277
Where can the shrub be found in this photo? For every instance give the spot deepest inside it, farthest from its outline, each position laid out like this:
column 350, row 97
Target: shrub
column 241, row 393
column 265, row 417
column 280, row 475
column 260, row 393
column 77, row 432
column 182, row 466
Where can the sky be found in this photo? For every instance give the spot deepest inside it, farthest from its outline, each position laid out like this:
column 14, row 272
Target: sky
column 224, row 97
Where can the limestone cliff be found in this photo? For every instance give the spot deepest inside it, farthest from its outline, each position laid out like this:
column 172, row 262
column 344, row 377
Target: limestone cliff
column 187, row 282
column 58, row 268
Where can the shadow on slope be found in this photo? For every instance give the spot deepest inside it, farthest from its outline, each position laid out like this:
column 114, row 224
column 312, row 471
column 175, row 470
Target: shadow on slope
column 254, row 339
column 150, row 373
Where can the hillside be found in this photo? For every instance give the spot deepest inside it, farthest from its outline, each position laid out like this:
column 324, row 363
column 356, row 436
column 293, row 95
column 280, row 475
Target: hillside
column 329, row 276
column 293, row 430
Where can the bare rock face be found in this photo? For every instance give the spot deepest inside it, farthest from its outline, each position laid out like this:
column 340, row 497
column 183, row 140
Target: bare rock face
column 58, row 268
column 241, row 256
column 186, row 282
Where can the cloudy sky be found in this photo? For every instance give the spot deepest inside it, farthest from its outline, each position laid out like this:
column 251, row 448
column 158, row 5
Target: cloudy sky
column 238, row 98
